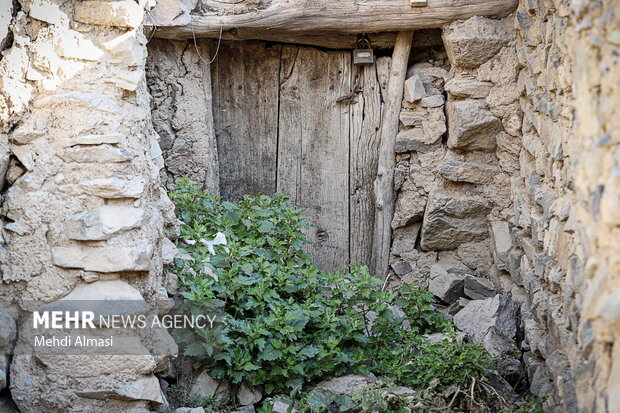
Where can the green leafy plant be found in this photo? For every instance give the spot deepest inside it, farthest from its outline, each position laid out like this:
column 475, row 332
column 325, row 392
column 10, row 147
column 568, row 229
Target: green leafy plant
column 286, row 322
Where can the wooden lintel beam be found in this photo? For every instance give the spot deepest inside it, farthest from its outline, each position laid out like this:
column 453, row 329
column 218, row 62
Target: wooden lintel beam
column 295, row 20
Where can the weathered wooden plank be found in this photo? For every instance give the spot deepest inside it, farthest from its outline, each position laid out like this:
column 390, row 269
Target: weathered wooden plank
column 384, row 183
column 279, row 20
column 325, row 40
column 245, row 110
column 364, row 153
column 313, row 147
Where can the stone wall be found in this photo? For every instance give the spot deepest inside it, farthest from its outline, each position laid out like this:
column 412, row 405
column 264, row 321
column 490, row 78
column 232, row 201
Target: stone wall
column 507, row 172
column 82, row 211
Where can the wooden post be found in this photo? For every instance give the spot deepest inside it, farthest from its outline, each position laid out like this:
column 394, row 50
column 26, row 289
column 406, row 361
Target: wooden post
column 384, row 183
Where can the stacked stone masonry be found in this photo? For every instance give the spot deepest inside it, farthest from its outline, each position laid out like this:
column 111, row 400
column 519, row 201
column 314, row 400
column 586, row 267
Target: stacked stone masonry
column 508, row 182
column 516, row 188
column 82, row 212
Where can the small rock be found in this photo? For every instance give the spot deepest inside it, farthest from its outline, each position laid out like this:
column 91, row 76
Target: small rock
column 127, row 80
column 74, row 45
column 457, row 306
column 468, row 87
column 247, row 396
column 414, row 89
column 207, row 386
column 6, row 15
column 434, row 101
column 471, row 125
column 280, row 405
column 8, row 332
column 172, row 12
column 190, row 410
column 346, row 385
column 48, row 12
column 445, row 286
column 24, row 154
column 502, row 243
column 478, row 288
column 246, row 409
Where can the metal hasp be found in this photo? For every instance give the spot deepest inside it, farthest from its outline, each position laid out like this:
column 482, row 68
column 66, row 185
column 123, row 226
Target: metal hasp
column 418, row 3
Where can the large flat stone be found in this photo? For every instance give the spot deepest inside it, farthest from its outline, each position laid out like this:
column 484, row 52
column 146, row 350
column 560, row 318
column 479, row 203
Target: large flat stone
column 471, row 125
column 96, row 154
column 142, row 389
column 114, row 187
column 103, row 223
column 104, row 259
column 452, row 218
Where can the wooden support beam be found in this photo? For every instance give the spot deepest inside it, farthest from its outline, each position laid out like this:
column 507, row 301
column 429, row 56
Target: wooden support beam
column 302, row 21
column 384, row 183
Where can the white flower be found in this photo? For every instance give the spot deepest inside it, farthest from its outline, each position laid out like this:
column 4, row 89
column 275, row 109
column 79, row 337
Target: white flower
column 220, row 239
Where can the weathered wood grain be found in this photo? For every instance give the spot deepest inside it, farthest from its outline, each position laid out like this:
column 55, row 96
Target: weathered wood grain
column 364, row 154
column 245, row 109
column 292, row 20
column 313, row 147
column 384, row 183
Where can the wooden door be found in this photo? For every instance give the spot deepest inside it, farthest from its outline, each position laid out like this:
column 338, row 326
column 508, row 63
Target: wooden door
column 280, row 128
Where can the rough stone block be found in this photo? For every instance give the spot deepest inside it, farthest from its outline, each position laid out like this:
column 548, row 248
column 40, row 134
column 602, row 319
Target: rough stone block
column 502, row 243
column 452, row 219
column 464, row 171
column 103, row 223
column 480, row 316
column 472, row 42
column 405, row 238
column 471, row 125
column 125, row 49
column 409, row 207
column 125, row 13
column 104, row 259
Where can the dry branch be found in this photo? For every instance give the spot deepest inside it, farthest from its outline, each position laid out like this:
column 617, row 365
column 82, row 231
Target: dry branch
column 384, row 183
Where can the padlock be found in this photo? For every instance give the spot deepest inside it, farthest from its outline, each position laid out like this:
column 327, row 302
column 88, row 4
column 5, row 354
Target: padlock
column 363, row 56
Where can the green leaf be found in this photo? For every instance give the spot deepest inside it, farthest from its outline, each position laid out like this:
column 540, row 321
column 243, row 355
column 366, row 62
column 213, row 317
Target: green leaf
column 265, row 226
